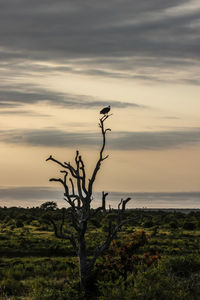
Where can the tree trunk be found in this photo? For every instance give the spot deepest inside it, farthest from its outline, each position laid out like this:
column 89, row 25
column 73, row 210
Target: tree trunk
column 83, row 270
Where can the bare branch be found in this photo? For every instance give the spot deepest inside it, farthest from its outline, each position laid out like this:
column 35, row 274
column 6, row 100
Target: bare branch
column 120, row 204
column 63, row 183
column 60, row 235
column 65, row 165
column 104, row 195
column 83, row 175
column 72, row 170
column 111, row 232
column 70, row 235
column 72, row 184
column 124, row 203
column 49, row 158
column 56, row 161
column 65, row 176
column 105, row 245
column 103, row 158
column 103, row 206
column 78, row 181
column 98, row 164
column 121, row 211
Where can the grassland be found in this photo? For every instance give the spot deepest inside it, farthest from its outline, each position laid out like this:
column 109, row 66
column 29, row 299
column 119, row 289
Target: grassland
column 155, row 256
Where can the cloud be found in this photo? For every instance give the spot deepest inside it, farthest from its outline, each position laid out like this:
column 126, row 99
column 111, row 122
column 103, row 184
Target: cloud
column 157, row 140
column 89, row 29
column 10, row 97
column 7, row 105
column 26, row 193
column 22, row 112
column 121, row 39
column 48, row 138
column 170, row 118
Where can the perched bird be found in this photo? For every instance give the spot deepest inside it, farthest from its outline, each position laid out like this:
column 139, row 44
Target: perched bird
column 105, row 110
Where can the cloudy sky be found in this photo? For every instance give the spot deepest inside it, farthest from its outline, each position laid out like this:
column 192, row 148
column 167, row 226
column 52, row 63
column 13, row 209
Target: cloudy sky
column 62, row 61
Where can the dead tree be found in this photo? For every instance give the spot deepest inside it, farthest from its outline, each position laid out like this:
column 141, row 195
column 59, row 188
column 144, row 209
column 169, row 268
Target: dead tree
column 78, row 193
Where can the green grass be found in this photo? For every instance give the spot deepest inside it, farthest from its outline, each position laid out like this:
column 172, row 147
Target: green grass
column 36, row 265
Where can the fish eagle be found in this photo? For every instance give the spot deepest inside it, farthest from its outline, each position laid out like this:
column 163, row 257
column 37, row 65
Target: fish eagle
column 105, row 110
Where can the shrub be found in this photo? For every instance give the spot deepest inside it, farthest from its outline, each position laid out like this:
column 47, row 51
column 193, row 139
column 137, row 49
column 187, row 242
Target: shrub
column 148, row 224
column 173, row 225
column 183, row 266
column 10, row 287
column 19, row 223
column 189, row 226
column 156, row 283
column 35, row 223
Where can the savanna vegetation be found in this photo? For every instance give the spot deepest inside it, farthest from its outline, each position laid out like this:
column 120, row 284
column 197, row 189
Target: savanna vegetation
column 154, row 256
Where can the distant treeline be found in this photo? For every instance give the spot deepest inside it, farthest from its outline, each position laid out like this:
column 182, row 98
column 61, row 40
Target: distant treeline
column 146, row 218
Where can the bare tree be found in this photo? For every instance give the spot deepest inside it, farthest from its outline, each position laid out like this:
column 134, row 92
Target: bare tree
column 79, row 195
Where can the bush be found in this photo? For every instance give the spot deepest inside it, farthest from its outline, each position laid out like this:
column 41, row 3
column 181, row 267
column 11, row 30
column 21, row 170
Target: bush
column 183, row 266
column 157, row 283
column 189, row 226
column 19, row 223
column 35, row 223
column 173, row 225
column 11, row 287
column 43, row 289
column 148, row 224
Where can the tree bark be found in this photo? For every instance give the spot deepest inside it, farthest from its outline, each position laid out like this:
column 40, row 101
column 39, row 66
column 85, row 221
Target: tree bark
column 82, row 256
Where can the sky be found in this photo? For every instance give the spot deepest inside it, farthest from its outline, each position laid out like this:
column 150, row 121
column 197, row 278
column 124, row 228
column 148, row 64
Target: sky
column 61, row 62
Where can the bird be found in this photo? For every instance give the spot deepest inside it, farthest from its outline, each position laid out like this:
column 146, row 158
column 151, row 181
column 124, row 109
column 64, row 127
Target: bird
column 105, row 110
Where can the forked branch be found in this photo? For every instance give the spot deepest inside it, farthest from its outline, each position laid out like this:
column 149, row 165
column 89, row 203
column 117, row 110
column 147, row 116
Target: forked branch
column 112, row 231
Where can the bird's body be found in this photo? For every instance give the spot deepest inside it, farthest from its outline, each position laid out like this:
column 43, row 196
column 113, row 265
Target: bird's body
column 105, row 110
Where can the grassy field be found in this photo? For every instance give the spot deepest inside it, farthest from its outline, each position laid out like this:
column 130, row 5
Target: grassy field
column 156, row 256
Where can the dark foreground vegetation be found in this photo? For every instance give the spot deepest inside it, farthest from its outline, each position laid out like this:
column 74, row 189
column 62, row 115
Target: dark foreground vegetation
column 155, row 256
